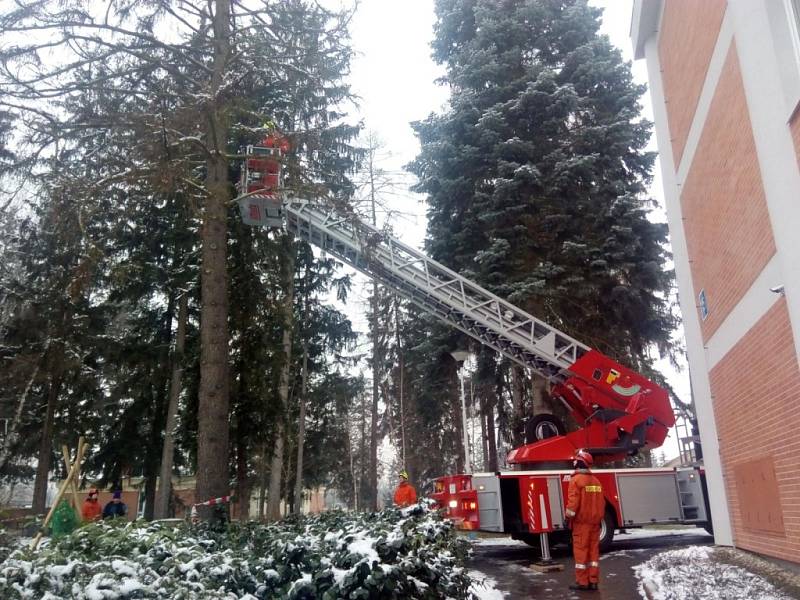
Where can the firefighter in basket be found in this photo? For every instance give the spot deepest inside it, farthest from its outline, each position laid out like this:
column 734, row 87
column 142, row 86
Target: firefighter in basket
column 585, row 509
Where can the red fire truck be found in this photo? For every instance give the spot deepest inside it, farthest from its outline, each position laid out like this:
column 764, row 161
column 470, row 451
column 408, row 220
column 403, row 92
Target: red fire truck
column 526, row 504
column 622, row 413
column 619, row 412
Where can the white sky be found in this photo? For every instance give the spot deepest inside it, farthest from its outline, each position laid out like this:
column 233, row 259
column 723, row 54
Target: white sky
column 394, row 76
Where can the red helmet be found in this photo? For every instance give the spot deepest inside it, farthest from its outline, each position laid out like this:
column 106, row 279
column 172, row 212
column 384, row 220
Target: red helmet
column 583, row 456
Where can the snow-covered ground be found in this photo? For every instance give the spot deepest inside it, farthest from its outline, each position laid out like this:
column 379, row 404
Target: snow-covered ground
column 632, row 534
column 484, row 587
column 649, row 532
column 692, row 572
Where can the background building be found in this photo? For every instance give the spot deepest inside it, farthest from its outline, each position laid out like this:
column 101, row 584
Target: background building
column 725, row 85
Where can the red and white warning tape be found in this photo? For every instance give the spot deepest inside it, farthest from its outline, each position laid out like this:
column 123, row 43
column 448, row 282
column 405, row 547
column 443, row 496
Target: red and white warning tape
column 211, row 502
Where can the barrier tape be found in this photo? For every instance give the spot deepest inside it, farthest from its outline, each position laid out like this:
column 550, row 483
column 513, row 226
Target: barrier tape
column 211, row 502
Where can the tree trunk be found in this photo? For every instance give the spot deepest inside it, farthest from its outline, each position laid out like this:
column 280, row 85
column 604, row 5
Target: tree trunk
column 484, row 431
column 517, row 407
column 539, row 393
column 490, row 430
column 301, row 419
column 376, row 370
column 401, row 378
column 46, row 444
column 243, row 484
column 455, row 402
column 212, row 412
column 373, row 439
column 301, row 434
column 11, row 434
column 168, row 449
column 276, row 468
column 362, row 455
column 262, row 482
column 154, row 449
column 352, row 461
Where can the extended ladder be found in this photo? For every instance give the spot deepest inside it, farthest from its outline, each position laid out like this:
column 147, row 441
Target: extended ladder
column 436, row 289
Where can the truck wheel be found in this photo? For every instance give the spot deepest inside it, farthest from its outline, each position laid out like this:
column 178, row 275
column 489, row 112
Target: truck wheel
column 607, row 526
column 543, row 426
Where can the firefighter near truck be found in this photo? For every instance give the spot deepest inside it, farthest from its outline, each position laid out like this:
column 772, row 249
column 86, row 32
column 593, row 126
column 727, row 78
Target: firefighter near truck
column 619, row 412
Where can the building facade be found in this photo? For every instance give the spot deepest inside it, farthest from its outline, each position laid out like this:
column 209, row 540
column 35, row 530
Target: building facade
column 725, row 84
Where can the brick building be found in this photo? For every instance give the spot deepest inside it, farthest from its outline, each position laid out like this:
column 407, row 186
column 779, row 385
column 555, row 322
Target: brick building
column 725, row 85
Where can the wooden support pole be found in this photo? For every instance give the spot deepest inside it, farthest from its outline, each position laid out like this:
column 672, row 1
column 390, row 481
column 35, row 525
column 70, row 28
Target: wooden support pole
column 73, row 470
column 73, row 483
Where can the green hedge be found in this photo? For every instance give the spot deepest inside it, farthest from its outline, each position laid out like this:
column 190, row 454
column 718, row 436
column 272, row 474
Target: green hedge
column 409, row 553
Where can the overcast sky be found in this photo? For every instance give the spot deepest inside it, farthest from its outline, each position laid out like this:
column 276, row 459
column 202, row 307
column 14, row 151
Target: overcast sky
column 394, row 76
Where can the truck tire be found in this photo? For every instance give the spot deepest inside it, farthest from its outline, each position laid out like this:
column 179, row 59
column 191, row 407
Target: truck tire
column 607, row 527
column 543, row 426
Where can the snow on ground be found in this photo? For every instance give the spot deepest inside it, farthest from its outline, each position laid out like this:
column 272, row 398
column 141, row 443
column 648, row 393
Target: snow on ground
column 693, row 572
column 497, row 541
column 484, row 587
column 648, row 532
column 632, row 534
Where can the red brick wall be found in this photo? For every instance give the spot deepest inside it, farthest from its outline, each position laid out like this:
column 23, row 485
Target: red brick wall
column 756, row 396
column 726, row 222
column 689, row 31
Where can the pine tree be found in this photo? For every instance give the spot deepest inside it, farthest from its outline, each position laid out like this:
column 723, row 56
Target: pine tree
column 536, row 175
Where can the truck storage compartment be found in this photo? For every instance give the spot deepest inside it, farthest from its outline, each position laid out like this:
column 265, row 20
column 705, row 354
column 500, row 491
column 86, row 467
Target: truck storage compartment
column 512, row 515
column 646, row 498
column 490, row 511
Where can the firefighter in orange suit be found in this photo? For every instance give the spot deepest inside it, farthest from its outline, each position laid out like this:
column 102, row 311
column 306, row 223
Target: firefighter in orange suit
column 585, row 509
column 405, row 494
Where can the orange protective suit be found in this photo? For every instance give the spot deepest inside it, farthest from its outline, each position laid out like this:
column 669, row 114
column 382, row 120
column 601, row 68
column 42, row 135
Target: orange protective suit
column 586, row 506
column 405, row 494
column 90, row 511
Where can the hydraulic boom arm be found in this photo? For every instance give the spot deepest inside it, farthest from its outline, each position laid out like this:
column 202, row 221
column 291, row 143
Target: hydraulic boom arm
column 619, row 411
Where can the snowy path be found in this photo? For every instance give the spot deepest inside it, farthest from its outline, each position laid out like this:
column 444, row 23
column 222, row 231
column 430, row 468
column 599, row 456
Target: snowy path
column 653, row 564
column 506, row 564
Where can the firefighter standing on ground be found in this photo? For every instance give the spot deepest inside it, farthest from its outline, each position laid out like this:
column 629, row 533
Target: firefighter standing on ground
column 585, row 510
column 405, row 494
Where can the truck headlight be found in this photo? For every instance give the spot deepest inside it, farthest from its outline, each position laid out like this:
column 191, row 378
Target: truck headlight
column 452, row 503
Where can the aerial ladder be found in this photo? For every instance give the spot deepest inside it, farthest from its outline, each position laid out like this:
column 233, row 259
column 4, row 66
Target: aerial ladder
column 619, row 412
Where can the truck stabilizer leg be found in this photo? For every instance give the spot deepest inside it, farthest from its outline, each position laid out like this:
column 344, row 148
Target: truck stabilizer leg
column 546, row 564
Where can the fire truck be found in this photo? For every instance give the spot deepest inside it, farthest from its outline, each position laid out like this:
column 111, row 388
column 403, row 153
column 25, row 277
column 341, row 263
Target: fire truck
column 618, row 411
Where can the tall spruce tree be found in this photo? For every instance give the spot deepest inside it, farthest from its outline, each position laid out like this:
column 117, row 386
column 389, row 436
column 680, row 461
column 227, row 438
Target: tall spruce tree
column 536, row 175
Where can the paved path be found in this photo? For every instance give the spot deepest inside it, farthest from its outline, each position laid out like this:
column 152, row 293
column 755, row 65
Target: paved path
column 508, row 563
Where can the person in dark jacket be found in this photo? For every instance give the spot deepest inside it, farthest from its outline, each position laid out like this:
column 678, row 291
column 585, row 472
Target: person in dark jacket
column 116, row 507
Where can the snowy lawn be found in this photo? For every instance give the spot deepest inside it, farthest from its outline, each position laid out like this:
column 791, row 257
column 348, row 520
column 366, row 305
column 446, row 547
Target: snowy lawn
column 409, row 553
column 694, row 573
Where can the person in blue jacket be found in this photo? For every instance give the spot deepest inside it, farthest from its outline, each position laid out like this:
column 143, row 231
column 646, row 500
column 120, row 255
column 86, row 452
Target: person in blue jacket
column 116, row 507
